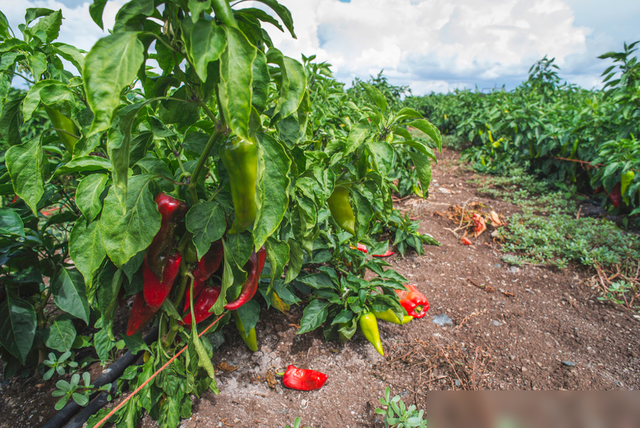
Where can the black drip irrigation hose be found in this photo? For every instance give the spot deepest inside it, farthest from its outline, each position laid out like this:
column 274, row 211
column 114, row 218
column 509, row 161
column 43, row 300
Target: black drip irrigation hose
column 109, row 375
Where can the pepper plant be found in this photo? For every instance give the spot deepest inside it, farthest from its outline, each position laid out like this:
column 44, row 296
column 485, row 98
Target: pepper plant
column 181, row 155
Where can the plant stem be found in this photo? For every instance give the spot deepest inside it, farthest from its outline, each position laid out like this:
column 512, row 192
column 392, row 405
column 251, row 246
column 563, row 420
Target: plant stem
column 203, row 157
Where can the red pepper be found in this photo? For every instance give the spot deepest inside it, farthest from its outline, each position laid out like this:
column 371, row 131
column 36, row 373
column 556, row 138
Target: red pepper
column 140, row 314
column 615, row 195
column 210, row 262
column 303, row 380
column 413, row 301
column 201, row 306
column 465, row 241
column 254, row 269
column 172, row 212
column 155, row 292
column 363, row 248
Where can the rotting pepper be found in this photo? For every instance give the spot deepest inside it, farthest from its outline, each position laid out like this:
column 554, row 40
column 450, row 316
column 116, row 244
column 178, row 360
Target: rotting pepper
column 413, row 301
column 140, row 315
column 615, row 196
column 155, row 292
column 303, row 380
column 341, row 209
column 240, row 158
column 369, row 327
column 254, row 269
column 172, row 212
column 65, row 127
column 201, row 306
column 250, row 338
column 390, row 316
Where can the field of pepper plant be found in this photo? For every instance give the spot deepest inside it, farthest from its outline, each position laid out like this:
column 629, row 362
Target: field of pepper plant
column 220, row 224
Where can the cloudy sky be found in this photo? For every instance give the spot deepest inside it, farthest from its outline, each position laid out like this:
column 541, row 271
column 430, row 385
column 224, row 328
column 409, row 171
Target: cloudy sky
column 430, row 45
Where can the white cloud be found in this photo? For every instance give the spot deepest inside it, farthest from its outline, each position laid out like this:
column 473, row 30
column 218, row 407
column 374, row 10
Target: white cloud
column 433, row 43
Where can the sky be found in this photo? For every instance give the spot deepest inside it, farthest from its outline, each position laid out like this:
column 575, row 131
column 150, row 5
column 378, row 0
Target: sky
column 428, row 45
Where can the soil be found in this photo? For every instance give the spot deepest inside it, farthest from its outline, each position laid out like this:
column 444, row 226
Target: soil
column 507, row 328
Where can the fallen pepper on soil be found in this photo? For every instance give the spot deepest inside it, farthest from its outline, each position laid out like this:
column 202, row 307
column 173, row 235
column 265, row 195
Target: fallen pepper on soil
column 303, row 380
column 413, row 301
column 465, row 241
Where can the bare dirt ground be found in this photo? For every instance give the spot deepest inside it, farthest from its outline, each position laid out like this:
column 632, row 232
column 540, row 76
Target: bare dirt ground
column 504, row 328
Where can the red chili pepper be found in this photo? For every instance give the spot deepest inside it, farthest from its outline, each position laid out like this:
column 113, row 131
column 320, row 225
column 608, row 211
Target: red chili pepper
column 465, row 241
column 198, row 285
column 210, row 262
column 413, row 301
column 615, row 195
column 155, row 292
column 254, row 269
column 363, row 248
column 201, row 306
column 140, row 314
column 172, row 212
column 303, row 380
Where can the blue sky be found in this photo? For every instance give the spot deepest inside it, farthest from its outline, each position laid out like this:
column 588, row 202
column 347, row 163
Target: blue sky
column 430, row 45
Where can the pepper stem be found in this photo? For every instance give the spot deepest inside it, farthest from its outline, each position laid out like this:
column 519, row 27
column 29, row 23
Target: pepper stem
column 203, row 157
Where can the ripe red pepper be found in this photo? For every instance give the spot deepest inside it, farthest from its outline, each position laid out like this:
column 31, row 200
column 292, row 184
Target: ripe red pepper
column 172, row 212
column 201, row 306
column 140, row 314
column 413, row 301
column 303, row 380
column 155, row 292
column 465, row 241
column 210, row 262
column 615, row 195
column 363, row 248
column 254, row 269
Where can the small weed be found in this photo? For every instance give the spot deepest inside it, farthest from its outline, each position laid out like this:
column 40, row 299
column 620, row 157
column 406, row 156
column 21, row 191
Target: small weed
column 398, row 415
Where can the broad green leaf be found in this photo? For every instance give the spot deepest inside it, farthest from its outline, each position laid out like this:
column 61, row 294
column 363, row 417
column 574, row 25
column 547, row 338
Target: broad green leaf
column 208, row 41
column 234, row 89
column 86, row 248
column 60, row 335
column 110, row 66
column 313, row 316
column 50, row 25
column 10, row 222
column 376, row 96
column 249, row 314
column 88, row 195
column 10, row 121
column 420, row 147
column 423, row 170
column 37, row 65
column 26, row 167
column 283, row 13
column 278, row 256
column 131, row 16
column 17, row 326
column 356, row 137
column 407, row 113
column 261, row 81
column 292, row 82
column 383, row 156
column 429, row 129
column 69, row 293
column 128, row 224
column 197, row 7
column 273, row 188
column 317, row 281
column 72, row 54
column 227, row 281
column 295, row 261
column 364, row 213
column 207, row 223
column 240, row 247
column 95, row 10
column 119, row 143
column 135, row 343
column 84, row 164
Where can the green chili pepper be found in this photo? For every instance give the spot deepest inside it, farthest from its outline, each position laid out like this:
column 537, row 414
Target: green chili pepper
column 627, row 178
column 250, row 338
column 390, row 316
column 341, row 209
column 65, row 128
column 240, row 158
column 369, row 327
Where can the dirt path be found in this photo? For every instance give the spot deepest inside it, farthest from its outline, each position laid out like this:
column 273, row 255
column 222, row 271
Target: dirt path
column 538, row 329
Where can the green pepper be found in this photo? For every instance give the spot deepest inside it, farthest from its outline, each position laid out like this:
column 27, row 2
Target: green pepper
column 341, row 209
column 390, row 316
column 627, row 178
column 65, row 128
column 240, row 158
column 369, row 327
column 250, row 339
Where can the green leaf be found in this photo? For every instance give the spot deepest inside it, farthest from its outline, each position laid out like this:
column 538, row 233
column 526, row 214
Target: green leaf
column 292, row 82
column 110, row 66
column 84, row 164
column 135, row 343
column 50, row 25
column 10, row 222
column 88, row 195
column 234, row 89
column 317, row 281
column 72, row 54
column 283, row 13
column 207, row 223
column 423, row 169
column 80, row 399
column 407, row 113
column 376, row 96
column 69, row 293
column 17, row 327
column 249, row 314
column 95, row 10
column 128, row 224
column 61, row 335
column 131, row 16
column 295, row 261
column 86, row 248
column 278, row 256
column 356, row 137
column 10, row 121
column 313, row 316
column 208, row 41
column 383, row 156
column 197, row 7
column 429, row 129
column 273, row 188
column 26, row 167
